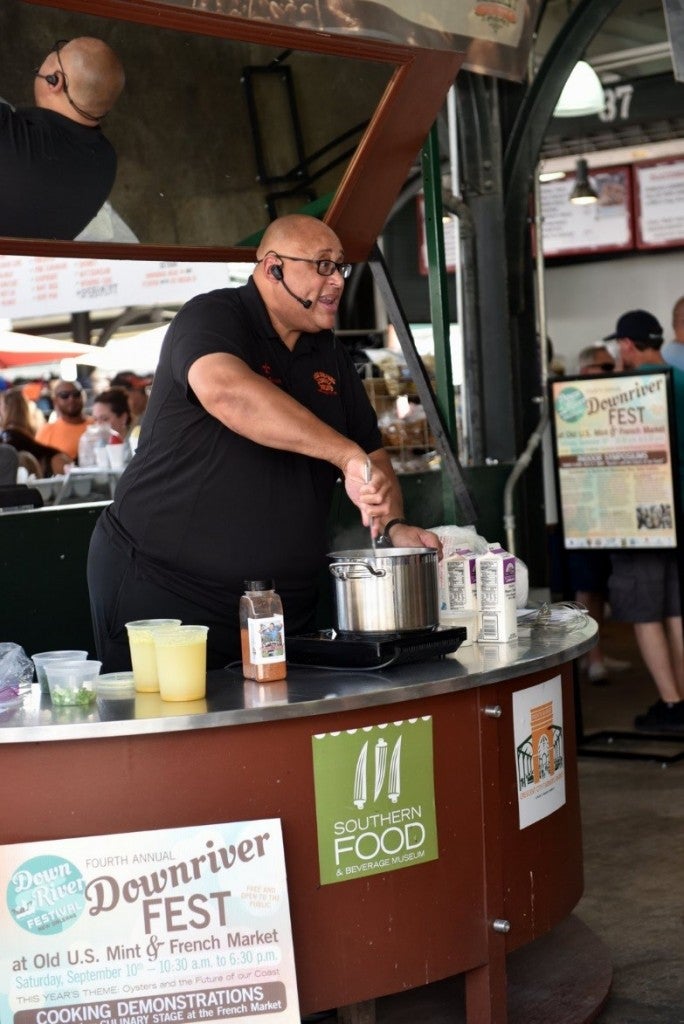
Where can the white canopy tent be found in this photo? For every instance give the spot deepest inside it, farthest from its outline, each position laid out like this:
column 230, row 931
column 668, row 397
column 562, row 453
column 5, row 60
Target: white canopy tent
column 136, row 352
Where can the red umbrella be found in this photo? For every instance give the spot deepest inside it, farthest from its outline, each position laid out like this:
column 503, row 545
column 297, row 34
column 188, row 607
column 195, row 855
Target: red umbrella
column 25, row 349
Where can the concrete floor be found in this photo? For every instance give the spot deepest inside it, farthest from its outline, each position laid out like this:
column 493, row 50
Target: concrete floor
column 633, row 829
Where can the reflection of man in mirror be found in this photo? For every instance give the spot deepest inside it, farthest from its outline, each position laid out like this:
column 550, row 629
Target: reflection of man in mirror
column 56, row 165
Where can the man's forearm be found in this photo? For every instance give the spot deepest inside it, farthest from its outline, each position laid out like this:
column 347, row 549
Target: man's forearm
column 256, row 409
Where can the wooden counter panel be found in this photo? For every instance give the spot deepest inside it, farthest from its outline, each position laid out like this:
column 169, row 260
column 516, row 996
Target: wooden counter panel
column 542, row 863
column 355, row 940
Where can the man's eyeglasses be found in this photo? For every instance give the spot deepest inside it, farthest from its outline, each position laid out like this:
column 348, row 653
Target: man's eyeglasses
column 68, row 394
column 326, row 268
column 53, row 79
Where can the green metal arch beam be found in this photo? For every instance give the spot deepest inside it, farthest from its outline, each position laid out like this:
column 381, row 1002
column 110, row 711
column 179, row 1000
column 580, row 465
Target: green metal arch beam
column 536, row 110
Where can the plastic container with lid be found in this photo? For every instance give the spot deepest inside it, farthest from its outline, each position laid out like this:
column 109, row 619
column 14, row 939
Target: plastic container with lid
column 94, row 437
column 262, row 632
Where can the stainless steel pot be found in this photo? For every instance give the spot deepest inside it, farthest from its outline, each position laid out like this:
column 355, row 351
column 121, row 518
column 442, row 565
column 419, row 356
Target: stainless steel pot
column 391, row 590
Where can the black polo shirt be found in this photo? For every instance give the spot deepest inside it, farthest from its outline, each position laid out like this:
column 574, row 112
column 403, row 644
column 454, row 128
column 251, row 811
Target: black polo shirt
column 55, row 174
column 205, row 508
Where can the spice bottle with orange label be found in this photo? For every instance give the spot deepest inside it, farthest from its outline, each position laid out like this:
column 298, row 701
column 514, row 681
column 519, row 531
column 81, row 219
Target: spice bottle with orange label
column 262, row 632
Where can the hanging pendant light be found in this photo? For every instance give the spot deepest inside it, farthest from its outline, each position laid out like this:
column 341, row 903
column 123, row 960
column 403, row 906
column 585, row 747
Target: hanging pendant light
column 582, row 93
column 583, row 192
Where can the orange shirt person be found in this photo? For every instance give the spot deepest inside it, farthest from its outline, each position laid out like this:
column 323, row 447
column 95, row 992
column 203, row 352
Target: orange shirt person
column 65, row 432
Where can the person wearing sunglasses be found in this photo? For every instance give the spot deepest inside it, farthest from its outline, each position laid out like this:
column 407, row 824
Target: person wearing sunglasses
column 256, row 411
column 595, row 359
column 64, row 432
column 57, row 167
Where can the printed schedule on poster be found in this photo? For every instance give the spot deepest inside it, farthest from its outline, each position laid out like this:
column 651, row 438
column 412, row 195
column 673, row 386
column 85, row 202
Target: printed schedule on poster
column 616, row 470
column 163, row 927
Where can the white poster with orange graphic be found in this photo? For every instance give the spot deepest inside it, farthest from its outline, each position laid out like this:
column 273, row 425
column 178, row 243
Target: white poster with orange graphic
column 539, row 750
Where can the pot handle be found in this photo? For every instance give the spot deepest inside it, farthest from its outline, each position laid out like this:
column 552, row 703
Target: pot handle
column 353, row 565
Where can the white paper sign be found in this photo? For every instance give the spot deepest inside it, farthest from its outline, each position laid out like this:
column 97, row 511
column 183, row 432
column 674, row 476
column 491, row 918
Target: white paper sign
column 539, row 750
column 660, row 200
column 34, row 286
column 163, row 927
column 603, row 226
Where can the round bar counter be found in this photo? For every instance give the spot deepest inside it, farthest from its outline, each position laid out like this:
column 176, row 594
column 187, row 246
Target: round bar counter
column 246, row 753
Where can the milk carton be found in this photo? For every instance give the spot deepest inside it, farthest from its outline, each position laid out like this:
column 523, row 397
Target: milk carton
column 458, row 592
column 496, row 596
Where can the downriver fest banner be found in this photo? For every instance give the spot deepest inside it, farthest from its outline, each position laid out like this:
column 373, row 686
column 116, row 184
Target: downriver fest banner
column 174, row 926
column 614, row 457
column 495, row 35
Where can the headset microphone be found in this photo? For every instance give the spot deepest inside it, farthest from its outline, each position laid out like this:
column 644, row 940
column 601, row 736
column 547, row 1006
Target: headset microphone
column 277, row 272
column 52, row 79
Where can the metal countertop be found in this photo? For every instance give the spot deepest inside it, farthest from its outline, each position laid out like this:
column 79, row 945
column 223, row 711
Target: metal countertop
column 232, row 700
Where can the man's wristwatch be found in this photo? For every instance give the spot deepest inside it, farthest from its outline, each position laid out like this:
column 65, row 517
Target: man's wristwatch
column 388, row 526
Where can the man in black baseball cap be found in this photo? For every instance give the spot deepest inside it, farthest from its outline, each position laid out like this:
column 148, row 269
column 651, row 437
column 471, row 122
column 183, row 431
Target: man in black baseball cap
column 644, row 584
column 639, row 326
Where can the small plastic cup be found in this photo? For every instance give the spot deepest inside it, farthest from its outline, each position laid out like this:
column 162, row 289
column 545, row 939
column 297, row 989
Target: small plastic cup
column 115, row 692
column 182, row 662
column 143, row 655
column 40, row 660
column 72, row 683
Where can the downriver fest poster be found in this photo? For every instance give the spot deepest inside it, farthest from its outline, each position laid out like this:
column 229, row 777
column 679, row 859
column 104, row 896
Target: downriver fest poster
column 614, row 458
column 174, row 926
column 495, row 35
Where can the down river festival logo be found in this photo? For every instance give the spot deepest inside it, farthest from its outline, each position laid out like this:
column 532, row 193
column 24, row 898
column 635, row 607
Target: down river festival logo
column 46, row 895
column 375, row 799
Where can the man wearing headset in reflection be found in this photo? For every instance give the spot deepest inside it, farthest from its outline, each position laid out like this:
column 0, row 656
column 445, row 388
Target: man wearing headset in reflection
column 56, row 166
column 254, row 413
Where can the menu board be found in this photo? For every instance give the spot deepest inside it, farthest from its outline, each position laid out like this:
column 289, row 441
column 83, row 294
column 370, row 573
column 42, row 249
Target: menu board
column 569, row 229
column 34, row 286
column 659, row 201
column 175, row 925
column 614, row 460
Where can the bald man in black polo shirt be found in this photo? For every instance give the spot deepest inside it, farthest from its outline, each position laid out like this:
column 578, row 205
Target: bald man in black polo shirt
column 255, row 412
column 56, row 166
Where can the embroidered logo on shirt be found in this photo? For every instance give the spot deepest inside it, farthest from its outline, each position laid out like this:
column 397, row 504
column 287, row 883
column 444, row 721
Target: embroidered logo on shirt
column 267, row 371
column 326, row 384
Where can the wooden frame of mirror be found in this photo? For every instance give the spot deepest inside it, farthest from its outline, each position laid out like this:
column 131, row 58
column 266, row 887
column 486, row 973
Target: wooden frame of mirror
column 378, row 169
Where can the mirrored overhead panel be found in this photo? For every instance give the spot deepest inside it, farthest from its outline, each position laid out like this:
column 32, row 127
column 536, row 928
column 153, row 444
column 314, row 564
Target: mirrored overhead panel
column 233, row 113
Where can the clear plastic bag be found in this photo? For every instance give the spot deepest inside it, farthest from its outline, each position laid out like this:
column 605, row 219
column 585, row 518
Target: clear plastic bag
column 555, row 619
column 16, row 673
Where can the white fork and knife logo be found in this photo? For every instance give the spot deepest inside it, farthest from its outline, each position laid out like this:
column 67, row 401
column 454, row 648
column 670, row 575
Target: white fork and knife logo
column 380, row 770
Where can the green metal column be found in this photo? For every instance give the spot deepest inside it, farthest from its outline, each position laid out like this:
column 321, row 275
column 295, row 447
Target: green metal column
column 439, row 300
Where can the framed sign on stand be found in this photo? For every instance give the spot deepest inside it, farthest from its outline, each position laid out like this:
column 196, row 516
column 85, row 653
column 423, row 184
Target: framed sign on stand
column 616, row 461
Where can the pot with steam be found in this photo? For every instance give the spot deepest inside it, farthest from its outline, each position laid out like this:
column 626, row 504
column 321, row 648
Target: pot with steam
column 389, row 590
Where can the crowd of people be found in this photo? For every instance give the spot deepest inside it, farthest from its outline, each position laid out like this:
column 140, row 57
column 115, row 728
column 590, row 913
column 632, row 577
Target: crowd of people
column 45, row 420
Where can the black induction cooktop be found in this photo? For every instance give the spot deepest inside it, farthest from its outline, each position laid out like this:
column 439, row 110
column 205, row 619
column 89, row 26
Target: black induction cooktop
column 368, row 651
